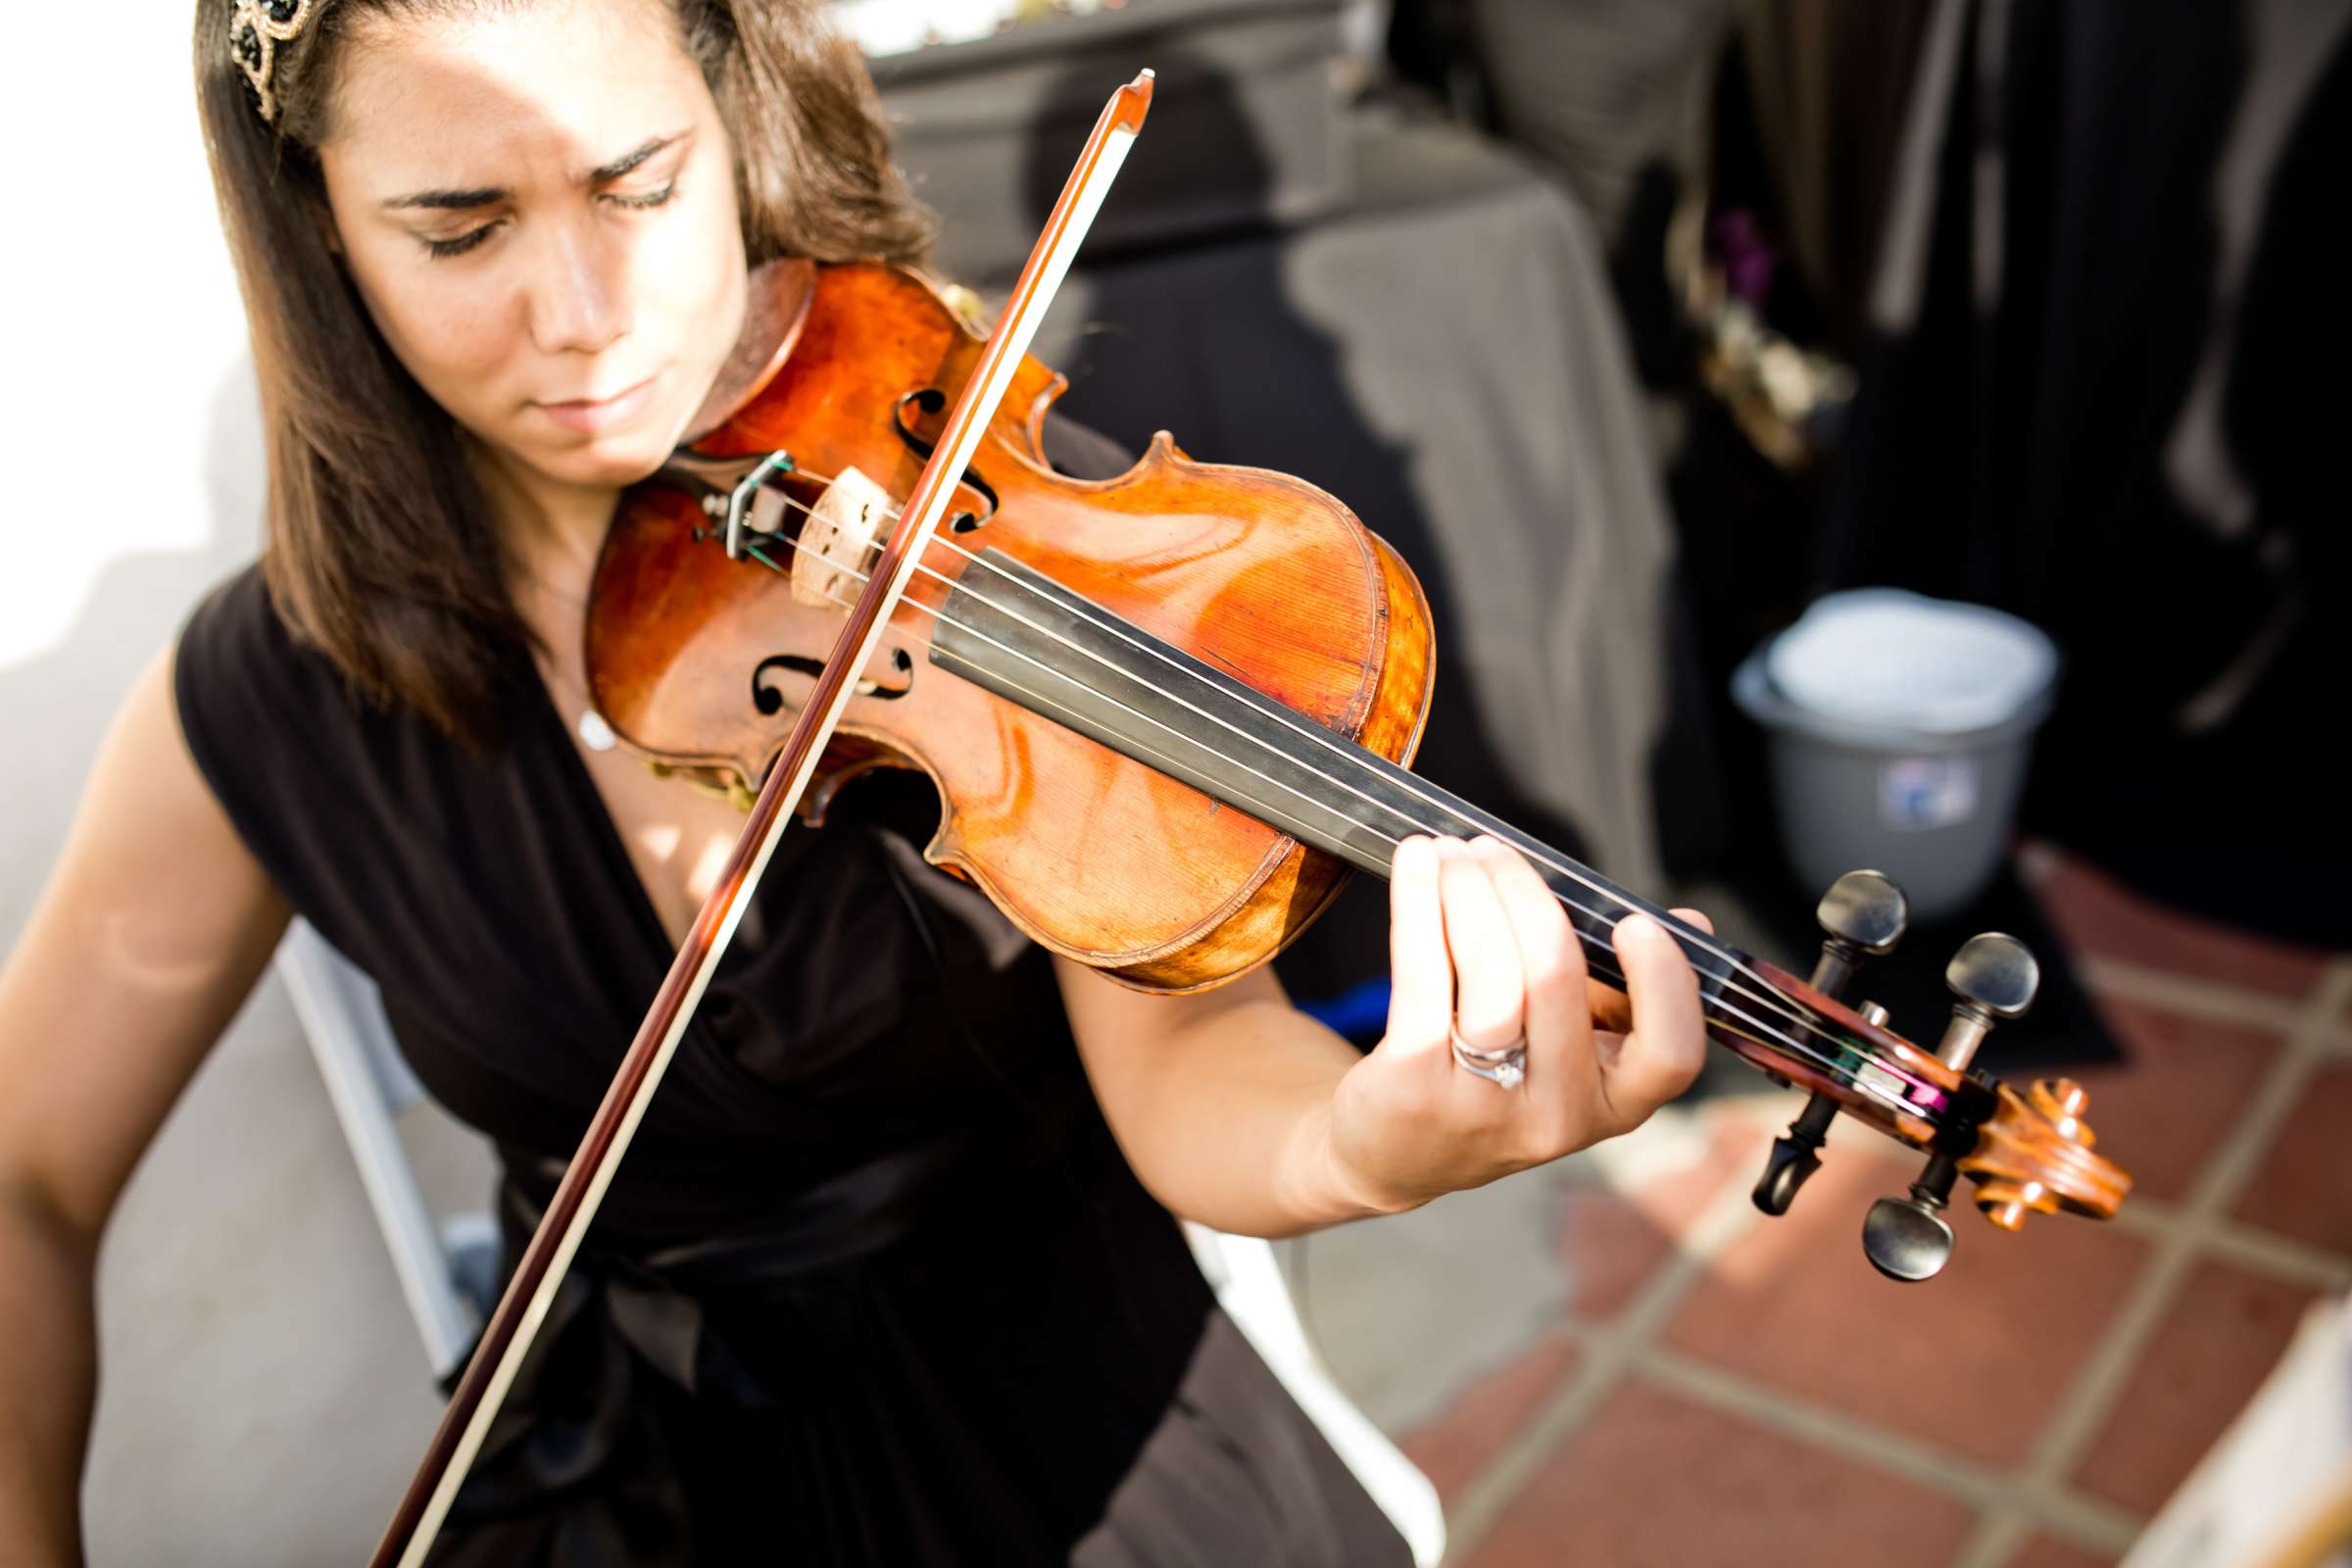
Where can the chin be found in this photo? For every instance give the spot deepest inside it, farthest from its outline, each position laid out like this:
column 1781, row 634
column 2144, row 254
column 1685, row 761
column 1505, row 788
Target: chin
column 619, row 458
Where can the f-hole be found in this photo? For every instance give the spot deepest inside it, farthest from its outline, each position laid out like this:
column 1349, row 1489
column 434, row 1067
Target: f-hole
column 928, row 402
column 768, row 700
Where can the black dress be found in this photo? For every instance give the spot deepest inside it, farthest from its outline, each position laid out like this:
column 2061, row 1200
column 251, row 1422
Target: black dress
column 875, row 1284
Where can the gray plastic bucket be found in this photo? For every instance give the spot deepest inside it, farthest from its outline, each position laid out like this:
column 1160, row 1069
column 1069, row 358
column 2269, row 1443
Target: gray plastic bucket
column 1900, row 729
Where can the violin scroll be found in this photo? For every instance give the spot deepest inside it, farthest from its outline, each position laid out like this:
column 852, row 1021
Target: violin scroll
column 2033, row 1156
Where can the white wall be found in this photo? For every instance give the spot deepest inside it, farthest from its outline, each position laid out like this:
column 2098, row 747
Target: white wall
column 263, row 1393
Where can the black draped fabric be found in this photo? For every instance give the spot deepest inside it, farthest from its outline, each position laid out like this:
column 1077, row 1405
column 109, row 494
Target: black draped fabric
column 2106, row 399
column 875, row 1284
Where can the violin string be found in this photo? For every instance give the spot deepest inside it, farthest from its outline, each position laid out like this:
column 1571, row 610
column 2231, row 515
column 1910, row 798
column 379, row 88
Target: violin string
column 1772, row 996
column 1569, row 869
column 1770, row 1000
column 1600, row 951
column 1599, row 959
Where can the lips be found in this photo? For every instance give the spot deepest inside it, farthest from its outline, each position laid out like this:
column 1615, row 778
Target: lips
column 591, row 415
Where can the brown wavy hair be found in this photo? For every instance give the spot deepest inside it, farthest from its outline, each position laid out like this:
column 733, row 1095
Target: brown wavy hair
column 379, row 552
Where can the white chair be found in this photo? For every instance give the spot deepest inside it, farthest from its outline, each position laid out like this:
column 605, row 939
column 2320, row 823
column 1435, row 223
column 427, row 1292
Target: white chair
column 448, row 1271
column 1249, row 1286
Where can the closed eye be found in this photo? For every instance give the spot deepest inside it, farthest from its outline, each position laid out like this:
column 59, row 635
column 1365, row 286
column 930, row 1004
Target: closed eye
column 651, row 198
column 442, row 249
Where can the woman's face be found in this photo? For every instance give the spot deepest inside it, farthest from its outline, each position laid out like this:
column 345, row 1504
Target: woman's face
column 537, row 203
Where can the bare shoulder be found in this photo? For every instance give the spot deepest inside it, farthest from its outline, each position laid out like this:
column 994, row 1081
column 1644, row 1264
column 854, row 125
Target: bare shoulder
column 152, row 926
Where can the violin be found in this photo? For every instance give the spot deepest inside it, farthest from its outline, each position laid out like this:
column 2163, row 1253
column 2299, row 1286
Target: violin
column 1167, row 714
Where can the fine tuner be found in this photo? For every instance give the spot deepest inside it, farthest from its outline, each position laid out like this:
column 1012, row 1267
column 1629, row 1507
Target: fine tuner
column 1863, row 916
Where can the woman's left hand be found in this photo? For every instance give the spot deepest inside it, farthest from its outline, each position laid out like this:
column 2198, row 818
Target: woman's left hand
column 1477, row 941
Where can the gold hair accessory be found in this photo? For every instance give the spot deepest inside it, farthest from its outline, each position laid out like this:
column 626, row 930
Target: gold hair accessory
column 255, row 27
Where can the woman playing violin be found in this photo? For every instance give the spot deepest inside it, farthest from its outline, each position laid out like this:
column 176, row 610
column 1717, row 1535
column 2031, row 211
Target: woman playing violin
column 890, row 1275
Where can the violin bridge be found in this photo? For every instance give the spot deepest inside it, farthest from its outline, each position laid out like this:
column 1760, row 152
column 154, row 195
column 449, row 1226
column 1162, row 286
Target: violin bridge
column 828, row 567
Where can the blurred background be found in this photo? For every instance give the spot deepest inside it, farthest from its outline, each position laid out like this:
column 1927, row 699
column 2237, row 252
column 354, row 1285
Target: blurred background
column 1830, row 432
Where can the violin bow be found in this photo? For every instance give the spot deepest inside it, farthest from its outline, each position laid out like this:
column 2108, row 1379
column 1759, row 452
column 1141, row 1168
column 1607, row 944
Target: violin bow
column 508, row 1336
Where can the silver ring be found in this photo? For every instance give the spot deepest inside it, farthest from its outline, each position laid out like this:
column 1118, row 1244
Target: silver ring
column 1507, row 1067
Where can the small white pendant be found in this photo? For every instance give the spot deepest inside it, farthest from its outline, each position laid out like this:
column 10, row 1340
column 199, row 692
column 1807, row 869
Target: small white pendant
column 595, row 733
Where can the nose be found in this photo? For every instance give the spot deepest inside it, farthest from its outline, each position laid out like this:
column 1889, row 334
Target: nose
column 578, row 301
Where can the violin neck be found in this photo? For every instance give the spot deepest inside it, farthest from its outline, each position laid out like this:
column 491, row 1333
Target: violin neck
column 1593, row 903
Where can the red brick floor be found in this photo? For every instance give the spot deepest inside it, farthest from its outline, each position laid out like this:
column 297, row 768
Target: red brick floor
column 1655, row 1478
column 1452, row 1450
column 2221, row 1337
column 2048, row 1551
column 1611, row 1239
column 2163, row 1111
column 2304, row 1185
column 2095, row 913
column 1976, row 1361
column 1776, row 1402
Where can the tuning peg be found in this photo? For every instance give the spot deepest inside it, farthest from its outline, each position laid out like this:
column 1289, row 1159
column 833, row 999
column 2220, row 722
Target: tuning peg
column 1995, row 977
column 1863, row 916
column 1792, row 1160
column 1906, row 1237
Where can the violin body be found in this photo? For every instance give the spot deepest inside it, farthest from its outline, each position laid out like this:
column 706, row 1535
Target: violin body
column 699, row 661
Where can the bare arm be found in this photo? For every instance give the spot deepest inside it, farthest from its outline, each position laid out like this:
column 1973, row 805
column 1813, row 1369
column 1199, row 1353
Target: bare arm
column 1218, row 1100
column 143, row 946
column 1240, row 1112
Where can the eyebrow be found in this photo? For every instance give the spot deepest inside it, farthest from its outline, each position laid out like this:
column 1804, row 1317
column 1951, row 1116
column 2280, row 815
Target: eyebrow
column 455, row 200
